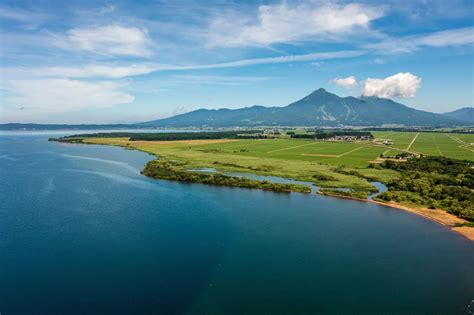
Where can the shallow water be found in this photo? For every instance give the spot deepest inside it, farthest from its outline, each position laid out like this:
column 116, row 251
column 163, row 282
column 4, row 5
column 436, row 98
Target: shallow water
column 381, row 187
column 81, row 231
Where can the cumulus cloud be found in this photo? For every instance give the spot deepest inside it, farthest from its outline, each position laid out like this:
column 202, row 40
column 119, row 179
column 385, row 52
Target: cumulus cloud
column 108, row 40
column 347, row 83
column 63, row 95
column 453, row 37
column 400, row 85
column 283, row 23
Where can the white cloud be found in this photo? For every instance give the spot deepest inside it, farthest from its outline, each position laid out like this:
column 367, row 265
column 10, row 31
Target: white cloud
column 122, row 71
column 85, row 71
column 283, row 23
column 12, row 14
column 108, row 40
column 44, row 96
column 379, row 61
column 399, row 85
column 453, row 37
column 220, row 79
column 28, row 19
column 273, row 60
column 347, row 83
column 106, row 9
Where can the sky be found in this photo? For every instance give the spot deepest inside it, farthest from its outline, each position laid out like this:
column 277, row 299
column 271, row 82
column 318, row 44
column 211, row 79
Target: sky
column 131, row 61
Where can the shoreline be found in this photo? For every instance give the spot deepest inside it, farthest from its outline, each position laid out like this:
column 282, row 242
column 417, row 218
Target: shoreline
column 439, row 216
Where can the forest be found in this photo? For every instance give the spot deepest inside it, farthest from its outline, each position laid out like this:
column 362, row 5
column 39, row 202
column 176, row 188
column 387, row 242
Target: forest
column 435, row 182
column 170, row 136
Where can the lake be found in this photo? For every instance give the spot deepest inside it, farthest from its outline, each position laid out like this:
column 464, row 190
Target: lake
column 81, row 231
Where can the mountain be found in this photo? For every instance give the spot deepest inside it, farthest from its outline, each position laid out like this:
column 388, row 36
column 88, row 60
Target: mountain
column 319, row 108
column 465, row 114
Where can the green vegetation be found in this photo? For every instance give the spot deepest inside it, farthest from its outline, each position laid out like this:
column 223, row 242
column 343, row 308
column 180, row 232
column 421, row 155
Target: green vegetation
column 344, row 193
column 428, row 181
column 252, row 156
column 319, row 134
column 434, row 182
column 467, row 224
column 453, row 145
column 172, row 136
column 175, row 170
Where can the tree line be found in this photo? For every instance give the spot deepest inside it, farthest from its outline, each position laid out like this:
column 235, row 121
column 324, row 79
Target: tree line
column 175, row 170
column 435, row 182
column 171, row 136
column 327, row 135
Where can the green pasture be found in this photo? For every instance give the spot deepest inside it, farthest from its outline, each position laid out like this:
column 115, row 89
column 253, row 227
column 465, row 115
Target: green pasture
column 358, row 154
column 458, row 146
column 326, row 163
column 449, row 145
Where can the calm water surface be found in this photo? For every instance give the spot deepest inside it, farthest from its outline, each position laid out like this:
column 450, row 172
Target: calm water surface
column 81, row 231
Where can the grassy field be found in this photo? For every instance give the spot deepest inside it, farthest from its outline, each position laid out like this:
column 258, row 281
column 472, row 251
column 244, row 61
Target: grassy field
column 325, row 152
column 458, row 146
column 326, row 163
column 225, row 155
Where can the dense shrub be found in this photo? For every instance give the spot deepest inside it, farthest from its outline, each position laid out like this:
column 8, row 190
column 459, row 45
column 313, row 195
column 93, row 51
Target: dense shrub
column 435, row 182
column 163, row 169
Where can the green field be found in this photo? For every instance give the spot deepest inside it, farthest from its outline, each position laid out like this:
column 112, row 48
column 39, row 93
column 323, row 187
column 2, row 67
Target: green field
column 349, row 154
column 326, row 163
column 458, row 146
column 332, row 153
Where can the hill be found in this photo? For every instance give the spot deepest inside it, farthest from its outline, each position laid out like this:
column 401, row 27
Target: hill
column 465, row 114
column 319, row 108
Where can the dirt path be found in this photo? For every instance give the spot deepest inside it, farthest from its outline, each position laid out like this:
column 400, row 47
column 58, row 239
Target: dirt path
column 349, row 152
column 436, row 144
column 412, row 141
column 463, row 145
column 297, row 146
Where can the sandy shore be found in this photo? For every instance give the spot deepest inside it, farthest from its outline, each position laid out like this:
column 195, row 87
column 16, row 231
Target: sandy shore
column 439, row 216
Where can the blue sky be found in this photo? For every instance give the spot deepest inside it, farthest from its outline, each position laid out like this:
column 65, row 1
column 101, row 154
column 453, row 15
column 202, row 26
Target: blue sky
column 127, row 61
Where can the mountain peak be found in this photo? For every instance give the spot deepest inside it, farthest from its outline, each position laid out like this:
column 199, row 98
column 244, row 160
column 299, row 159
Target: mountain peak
column 320, row 108
column 320, row 94
column 320, row 91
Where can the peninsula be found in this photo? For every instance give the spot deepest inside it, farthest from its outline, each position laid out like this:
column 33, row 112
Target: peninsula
column 341, row 163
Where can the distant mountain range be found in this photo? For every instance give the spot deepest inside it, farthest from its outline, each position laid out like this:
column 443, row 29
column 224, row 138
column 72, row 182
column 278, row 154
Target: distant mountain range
column 463, row 114
column 318, row 109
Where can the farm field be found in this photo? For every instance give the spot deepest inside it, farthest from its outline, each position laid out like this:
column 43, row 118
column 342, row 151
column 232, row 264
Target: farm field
column 226, row 156
column 401, row 140
column 458, row 146
column 357, row 154
column 326, row 163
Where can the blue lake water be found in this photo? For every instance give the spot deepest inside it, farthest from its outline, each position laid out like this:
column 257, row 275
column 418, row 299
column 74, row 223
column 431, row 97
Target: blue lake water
column 81, row 231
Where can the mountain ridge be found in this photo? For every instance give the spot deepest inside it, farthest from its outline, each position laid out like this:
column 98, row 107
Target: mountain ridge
column 465, row 114
column 319, row 108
